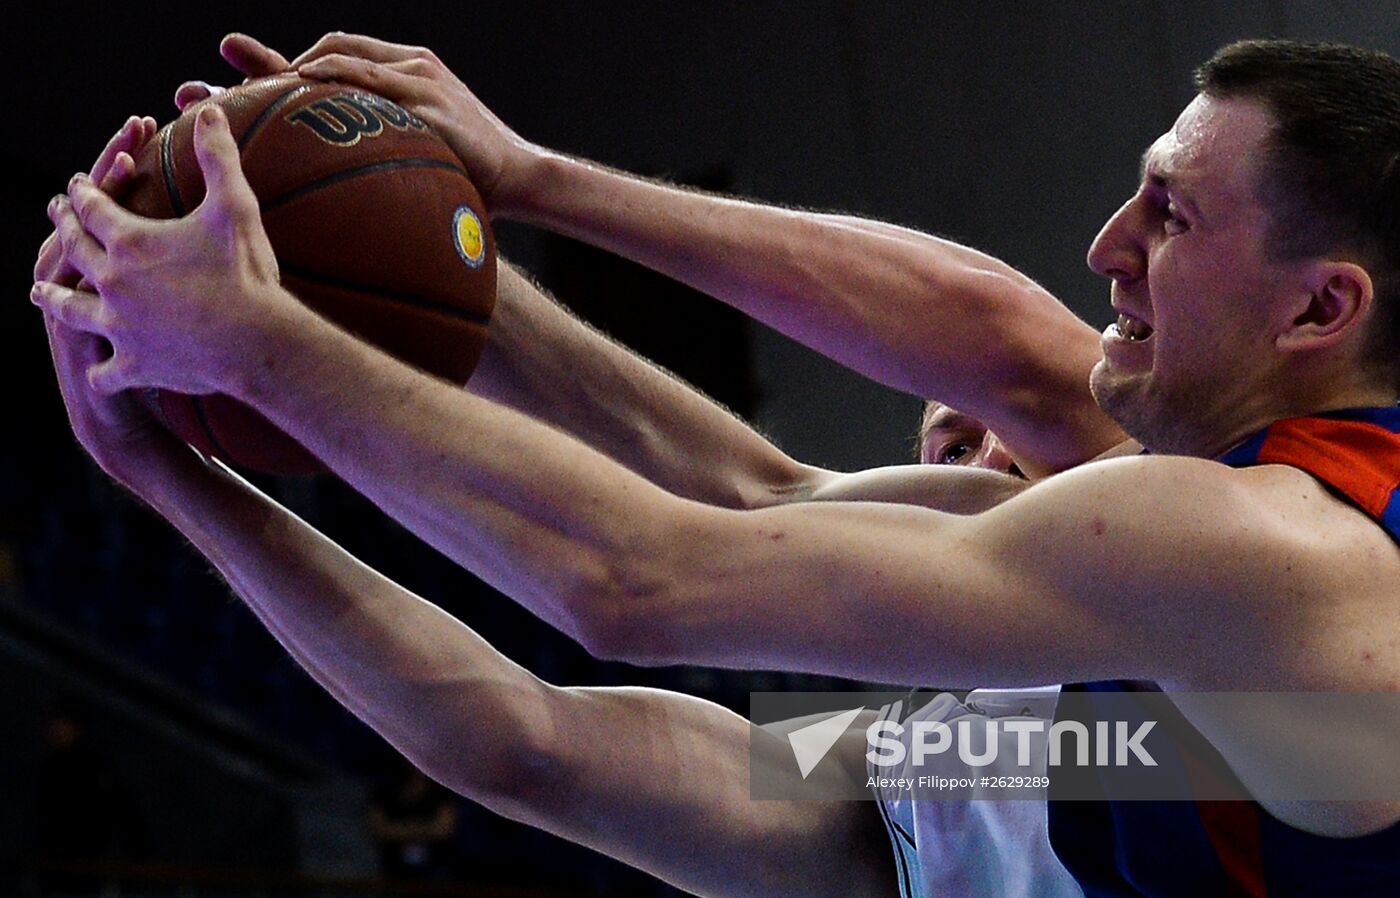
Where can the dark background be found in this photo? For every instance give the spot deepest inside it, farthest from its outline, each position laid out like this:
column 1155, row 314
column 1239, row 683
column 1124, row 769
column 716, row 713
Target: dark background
column 1013, row 127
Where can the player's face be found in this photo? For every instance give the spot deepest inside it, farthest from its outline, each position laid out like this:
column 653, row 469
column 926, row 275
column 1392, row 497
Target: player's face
column 1192, row 285
column 948, row 437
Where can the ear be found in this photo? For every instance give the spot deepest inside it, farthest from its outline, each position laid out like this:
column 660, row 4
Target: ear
column 1338, row 303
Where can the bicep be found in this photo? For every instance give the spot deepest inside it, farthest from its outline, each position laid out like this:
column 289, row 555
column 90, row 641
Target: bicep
column 662, row 782
column 1090, row 575
column 1027, row 377
column 994, row 344
column 874, row 592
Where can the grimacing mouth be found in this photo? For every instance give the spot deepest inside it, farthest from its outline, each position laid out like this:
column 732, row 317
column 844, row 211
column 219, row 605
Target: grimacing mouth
column 1132, row 329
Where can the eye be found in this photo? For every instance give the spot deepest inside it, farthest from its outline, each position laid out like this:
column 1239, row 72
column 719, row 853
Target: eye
column 952, row 453
column 1172, row 222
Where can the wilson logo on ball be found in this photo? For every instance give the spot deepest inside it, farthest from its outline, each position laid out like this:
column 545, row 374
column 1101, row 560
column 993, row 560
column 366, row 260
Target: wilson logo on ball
column 471, row 239
column 342, row 119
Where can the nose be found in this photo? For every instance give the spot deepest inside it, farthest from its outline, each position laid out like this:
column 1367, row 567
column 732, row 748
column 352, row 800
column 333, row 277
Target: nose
column 994, row 456
column 1116, row 252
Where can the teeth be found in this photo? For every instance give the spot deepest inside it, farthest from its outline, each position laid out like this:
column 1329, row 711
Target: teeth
column 1133, row 330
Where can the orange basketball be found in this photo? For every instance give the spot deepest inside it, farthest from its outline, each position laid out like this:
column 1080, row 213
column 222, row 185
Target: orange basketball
column 375, row 225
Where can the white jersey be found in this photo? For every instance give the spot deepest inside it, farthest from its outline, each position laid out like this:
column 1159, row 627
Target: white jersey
column 979, row 847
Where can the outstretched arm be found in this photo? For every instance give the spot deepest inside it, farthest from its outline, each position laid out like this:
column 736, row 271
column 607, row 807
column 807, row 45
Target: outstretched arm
column 918, row 313
column 915, row 312
column 544, row 361
column 1173, row 569
column 656, row 779
column 653, row 778
column 613, row 560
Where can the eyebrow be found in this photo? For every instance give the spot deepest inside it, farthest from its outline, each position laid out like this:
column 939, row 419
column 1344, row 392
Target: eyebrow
column 1168, row 180
column 1142, row 167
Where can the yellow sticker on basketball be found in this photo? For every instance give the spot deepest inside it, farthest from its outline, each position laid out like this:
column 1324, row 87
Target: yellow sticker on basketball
column 471, row 240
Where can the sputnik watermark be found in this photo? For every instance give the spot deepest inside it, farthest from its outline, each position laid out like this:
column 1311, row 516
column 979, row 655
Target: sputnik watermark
column 889, row 746
column 811, row 743
column 976, row 743
column 1082, row 744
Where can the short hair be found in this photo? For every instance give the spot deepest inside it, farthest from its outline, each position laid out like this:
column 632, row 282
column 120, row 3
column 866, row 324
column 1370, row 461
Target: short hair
column 1332, row 178
column 926, row 425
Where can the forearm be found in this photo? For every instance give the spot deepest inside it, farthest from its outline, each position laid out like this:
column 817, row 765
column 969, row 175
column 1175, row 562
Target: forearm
column 425, row 682
column 920, row 314
column 545, row 362
column 643, row 775
column 620, row 565
column 917, row 313
column 585, row 544
column 531, row 510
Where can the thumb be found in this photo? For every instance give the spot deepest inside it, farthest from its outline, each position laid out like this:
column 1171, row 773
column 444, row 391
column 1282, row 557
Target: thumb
column 192, row 92
column 251, row 56
column 70, row 348
column 224, row 183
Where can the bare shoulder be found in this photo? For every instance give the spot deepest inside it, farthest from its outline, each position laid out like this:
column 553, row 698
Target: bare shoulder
column 1159, row 502
column 1243, row 580
column 1193, row 496
column 1263, row 576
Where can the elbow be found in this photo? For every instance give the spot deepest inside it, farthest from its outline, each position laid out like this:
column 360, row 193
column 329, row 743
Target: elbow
column 780, row 481
column 620, row 612
column 512, row 765
column 627, row 627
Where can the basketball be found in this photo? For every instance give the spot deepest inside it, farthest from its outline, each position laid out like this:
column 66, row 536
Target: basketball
column 375, row 226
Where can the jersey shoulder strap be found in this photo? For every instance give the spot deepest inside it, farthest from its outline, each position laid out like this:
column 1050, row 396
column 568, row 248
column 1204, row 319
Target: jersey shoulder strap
column 1356, row 452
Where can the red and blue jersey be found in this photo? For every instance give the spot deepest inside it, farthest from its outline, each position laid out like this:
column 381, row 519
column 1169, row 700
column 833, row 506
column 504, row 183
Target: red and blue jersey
column 1356, row 452
column 1236, row 849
